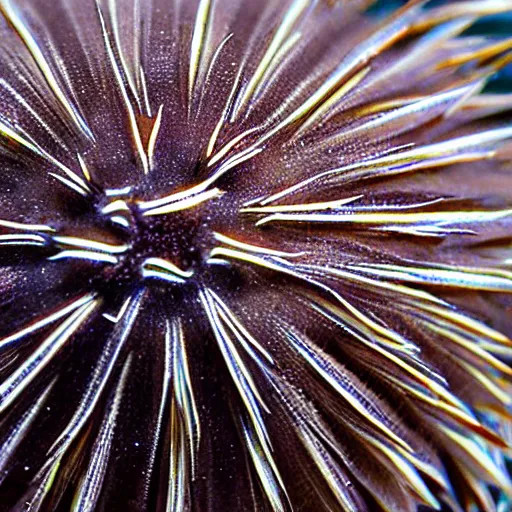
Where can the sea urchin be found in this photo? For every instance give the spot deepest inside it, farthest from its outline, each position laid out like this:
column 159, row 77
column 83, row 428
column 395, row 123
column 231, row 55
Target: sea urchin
column 255, row 255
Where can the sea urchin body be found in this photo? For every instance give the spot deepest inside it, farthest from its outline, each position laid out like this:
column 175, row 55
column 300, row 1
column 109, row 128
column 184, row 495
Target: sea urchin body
column 254, row 255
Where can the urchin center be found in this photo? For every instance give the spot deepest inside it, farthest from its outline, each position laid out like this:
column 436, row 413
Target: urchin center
column 165, row 240
column 169, row 247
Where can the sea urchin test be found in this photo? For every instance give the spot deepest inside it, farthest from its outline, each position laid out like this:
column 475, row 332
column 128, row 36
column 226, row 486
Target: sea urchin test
column 255, row 255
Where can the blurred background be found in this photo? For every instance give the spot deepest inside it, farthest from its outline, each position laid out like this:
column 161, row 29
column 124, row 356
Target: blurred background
column 493, row 26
